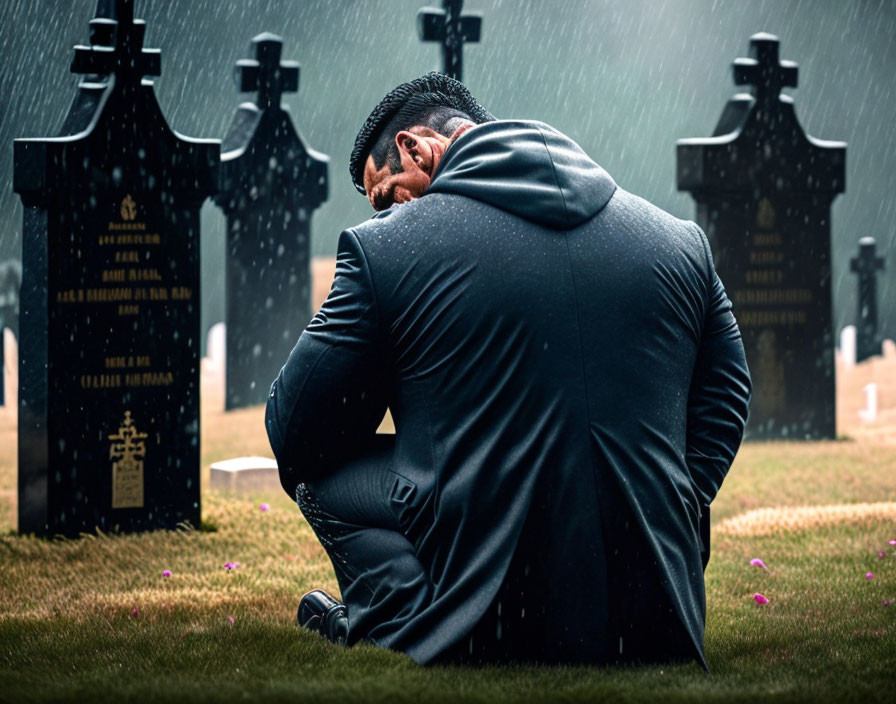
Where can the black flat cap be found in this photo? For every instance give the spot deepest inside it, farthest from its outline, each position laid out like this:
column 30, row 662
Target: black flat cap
column 438, row 88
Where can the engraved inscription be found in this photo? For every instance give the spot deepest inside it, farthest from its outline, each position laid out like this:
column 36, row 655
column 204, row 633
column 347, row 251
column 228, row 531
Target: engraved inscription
column 132, row 283
column 772, row 296
column 766, row 258
column 768, row 318
column 764, row 277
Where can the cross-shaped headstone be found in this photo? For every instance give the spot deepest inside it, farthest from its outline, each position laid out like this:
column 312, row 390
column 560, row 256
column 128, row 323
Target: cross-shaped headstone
column 763, row 189
column 129, row 190
column 452, row 29
column 271, row 182
column 117, row 44
column 266, row 73
column 866, row 265
column 763, row 71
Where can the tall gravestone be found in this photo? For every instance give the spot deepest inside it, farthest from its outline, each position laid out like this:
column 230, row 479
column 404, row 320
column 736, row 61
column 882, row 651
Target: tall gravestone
column 10, row 283
column 865, row 266
column 763, row 189
column 271, row 182
column 451, row 29
column 109, row 332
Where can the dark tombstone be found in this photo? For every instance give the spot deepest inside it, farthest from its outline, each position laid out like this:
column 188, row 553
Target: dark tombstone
column 451, row 29
column 271, row 182
column 866, row 265
column 10, row 283
column 109, row 333
column 764, row 189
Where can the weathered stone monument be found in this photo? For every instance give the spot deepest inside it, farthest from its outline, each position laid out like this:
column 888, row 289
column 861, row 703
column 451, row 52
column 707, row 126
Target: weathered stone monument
column 10, row 282
column 865, row 266
column 763, row 190
column 452, row 30
column 271, row 183
column 109, row 332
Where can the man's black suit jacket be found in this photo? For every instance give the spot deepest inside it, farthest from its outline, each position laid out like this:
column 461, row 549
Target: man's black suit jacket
column 561, row 359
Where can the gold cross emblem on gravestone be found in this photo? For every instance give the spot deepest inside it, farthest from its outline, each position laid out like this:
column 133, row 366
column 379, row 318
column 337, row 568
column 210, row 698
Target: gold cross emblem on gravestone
column 127, row 452
column 128, row 208
column 765, row 217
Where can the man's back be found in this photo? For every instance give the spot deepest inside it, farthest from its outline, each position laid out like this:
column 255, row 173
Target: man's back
column 536, row 332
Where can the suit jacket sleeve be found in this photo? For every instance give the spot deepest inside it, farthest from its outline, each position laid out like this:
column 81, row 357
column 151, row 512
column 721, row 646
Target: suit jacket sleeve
column 719, row 393
column 330, row 396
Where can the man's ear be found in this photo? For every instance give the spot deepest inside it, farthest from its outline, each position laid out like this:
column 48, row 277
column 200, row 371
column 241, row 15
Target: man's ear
column 414, row 148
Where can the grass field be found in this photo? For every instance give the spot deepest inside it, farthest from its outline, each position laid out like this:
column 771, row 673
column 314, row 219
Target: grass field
column 94, row 619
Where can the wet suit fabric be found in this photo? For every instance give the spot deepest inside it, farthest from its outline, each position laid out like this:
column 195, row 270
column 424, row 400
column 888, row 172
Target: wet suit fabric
column 568, row 386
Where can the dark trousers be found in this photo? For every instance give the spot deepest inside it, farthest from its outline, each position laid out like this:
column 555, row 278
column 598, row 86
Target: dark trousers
column 368, row 518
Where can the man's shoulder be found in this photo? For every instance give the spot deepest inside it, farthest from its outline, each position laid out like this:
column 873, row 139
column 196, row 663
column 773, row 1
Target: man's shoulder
column 640, row 209
column 658, row 234
column 402, row 221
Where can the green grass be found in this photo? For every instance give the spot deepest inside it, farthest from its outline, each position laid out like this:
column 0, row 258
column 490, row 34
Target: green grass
column 68, row 632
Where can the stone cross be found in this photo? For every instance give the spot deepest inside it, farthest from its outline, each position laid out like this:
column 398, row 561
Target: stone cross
column 866, row 265
column 452, row 29
column 763, row 71
column 116, row 44
column 266, row 73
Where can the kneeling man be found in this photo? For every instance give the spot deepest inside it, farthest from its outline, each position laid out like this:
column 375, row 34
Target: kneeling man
column 568, row 387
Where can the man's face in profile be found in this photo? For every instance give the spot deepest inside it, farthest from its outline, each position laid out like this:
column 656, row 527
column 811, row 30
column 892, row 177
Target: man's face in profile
column 420, row 150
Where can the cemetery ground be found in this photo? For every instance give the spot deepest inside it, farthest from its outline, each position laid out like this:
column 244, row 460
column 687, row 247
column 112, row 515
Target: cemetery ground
column 96, row 619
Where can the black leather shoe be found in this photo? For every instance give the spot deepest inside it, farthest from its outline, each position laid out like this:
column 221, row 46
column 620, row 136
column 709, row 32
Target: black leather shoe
column 321, row 613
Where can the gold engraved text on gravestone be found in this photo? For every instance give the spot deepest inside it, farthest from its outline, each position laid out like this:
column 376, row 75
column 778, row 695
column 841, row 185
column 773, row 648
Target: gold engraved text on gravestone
column 772, row 296
column 127, row 452
column 767, row 239
column 764, row 277
column 124, row 362
column 763, row 284
column 766, row 318
column 766, row 258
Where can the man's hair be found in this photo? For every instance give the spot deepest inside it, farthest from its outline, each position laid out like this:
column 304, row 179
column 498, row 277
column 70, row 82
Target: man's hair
column 435, row 100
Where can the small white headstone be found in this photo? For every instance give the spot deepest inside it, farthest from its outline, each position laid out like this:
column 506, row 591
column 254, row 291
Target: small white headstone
column 10, row 370
column 888, row 349
column 217, row 345
column 245, row 474
column 848, row 345
column 869, row 413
